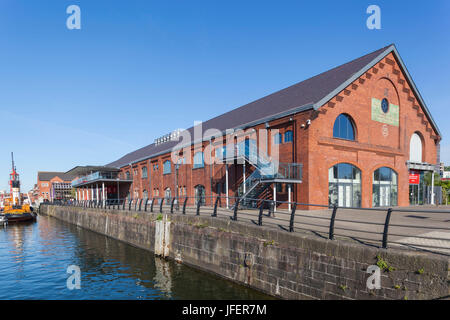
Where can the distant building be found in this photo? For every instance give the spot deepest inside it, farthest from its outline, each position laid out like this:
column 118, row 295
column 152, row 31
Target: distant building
column 53, row 186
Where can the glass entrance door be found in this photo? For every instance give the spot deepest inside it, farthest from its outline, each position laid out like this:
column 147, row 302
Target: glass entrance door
column 385, row 195
column 415, row 194
column 345, row 195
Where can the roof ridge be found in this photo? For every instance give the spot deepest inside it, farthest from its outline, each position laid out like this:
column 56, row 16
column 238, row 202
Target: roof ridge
column 308, row 91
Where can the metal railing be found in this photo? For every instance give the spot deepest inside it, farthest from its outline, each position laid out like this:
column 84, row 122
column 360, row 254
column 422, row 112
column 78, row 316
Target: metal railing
column 98, row 176
column 370, row 226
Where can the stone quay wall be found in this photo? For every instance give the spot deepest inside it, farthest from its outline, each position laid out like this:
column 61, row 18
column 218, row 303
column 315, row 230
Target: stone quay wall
column 279, row 263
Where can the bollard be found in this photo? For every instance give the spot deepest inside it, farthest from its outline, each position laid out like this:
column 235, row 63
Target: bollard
column 386, row 228
column 171, row 205
column 135, row 204
column 145, row 207
column 160, row 205
column 140, row 204
column 333, row 217
column 129, row 205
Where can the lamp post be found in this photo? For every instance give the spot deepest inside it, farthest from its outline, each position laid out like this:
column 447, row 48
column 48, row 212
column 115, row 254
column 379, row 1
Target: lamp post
column 118, row 194
column 177, row 166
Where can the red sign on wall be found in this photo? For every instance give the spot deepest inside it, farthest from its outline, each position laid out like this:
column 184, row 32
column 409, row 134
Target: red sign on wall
column 414, row 178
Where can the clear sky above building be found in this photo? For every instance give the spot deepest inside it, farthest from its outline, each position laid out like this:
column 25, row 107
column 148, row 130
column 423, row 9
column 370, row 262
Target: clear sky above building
column 137, row 70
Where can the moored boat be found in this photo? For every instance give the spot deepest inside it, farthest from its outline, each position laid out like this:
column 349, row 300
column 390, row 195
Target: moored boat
column 15, row 210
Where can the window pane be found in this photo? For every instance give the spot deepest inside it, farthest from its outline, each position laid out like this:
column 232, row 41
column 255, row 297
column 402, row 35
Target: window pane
column 343, row 128
column 198, row 160
column 288, row 136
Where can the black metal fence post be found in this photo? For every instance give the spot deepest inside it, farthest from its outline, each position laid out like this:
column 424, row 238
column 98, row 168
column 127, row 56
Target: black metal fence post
column 291, row 222
column 260, row 215
column 199, row 203
column 386, row 228
column 160, row 205
column 145, row 206
column 333, row 217
column 151, row 206
column 215, row 207
column 184, row 205
column 236, row 206
column 135, row 204
column 129, row 204
column 171, row 205
column 272, row 208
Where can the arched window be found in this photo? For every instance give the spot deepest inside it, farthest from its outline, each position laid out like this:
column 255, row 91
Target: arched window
column 277, row 138
column 144, row 172
column 288, row 136
column 385, row 187
column 415, row 148
column 200, row 194
column 198, row 160
column 343, row 128
column 344, row 187
column 166, row 167
column 128, row 175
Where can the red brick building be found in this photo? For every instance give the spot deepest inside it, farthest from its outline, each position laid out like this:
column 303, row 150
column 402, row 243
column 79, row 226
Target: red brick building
column 53, row 186
column 358, row 135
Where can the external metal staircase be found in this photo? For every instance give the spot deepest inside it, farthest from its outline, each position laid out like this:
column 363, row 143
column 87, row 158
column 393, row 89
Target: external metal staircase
column 266, row 171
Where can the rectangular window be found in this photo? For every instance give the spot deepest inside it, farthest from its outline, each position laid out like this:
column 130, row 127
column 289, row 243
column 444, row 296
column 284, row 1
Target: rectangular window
column 166, row 167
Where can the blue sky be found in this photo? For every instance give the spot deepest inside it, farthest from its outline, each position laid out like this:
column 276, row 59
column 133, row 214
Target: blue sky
column 139, row 69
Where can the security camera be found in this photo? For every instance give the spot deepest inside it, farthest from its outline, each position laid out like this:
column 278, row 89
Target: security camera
column 308, row 122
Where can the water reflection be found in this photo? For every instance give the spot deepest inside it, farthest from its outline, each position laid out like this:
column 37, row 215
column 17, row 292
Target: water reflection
column 35, row 258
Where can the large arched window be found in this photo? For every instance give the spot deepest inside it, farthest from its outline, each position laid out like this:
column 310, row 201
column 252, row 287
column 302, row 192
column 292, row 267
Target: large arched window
column 343, row 128
column 200, row 194
column 344, row 188
column 385, row 190
column 198, row 160
column 166, row 167
column 415, row 148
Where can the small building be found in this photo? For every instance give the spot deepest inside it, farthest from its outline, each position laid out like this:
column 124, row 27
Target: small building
column 99, row 183
column 53, row 186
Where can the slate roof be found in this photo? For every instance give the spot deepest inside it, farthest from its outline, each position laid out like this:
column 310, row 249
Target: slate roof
column 79, row 171
column 311, row 93
column 47, row 176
